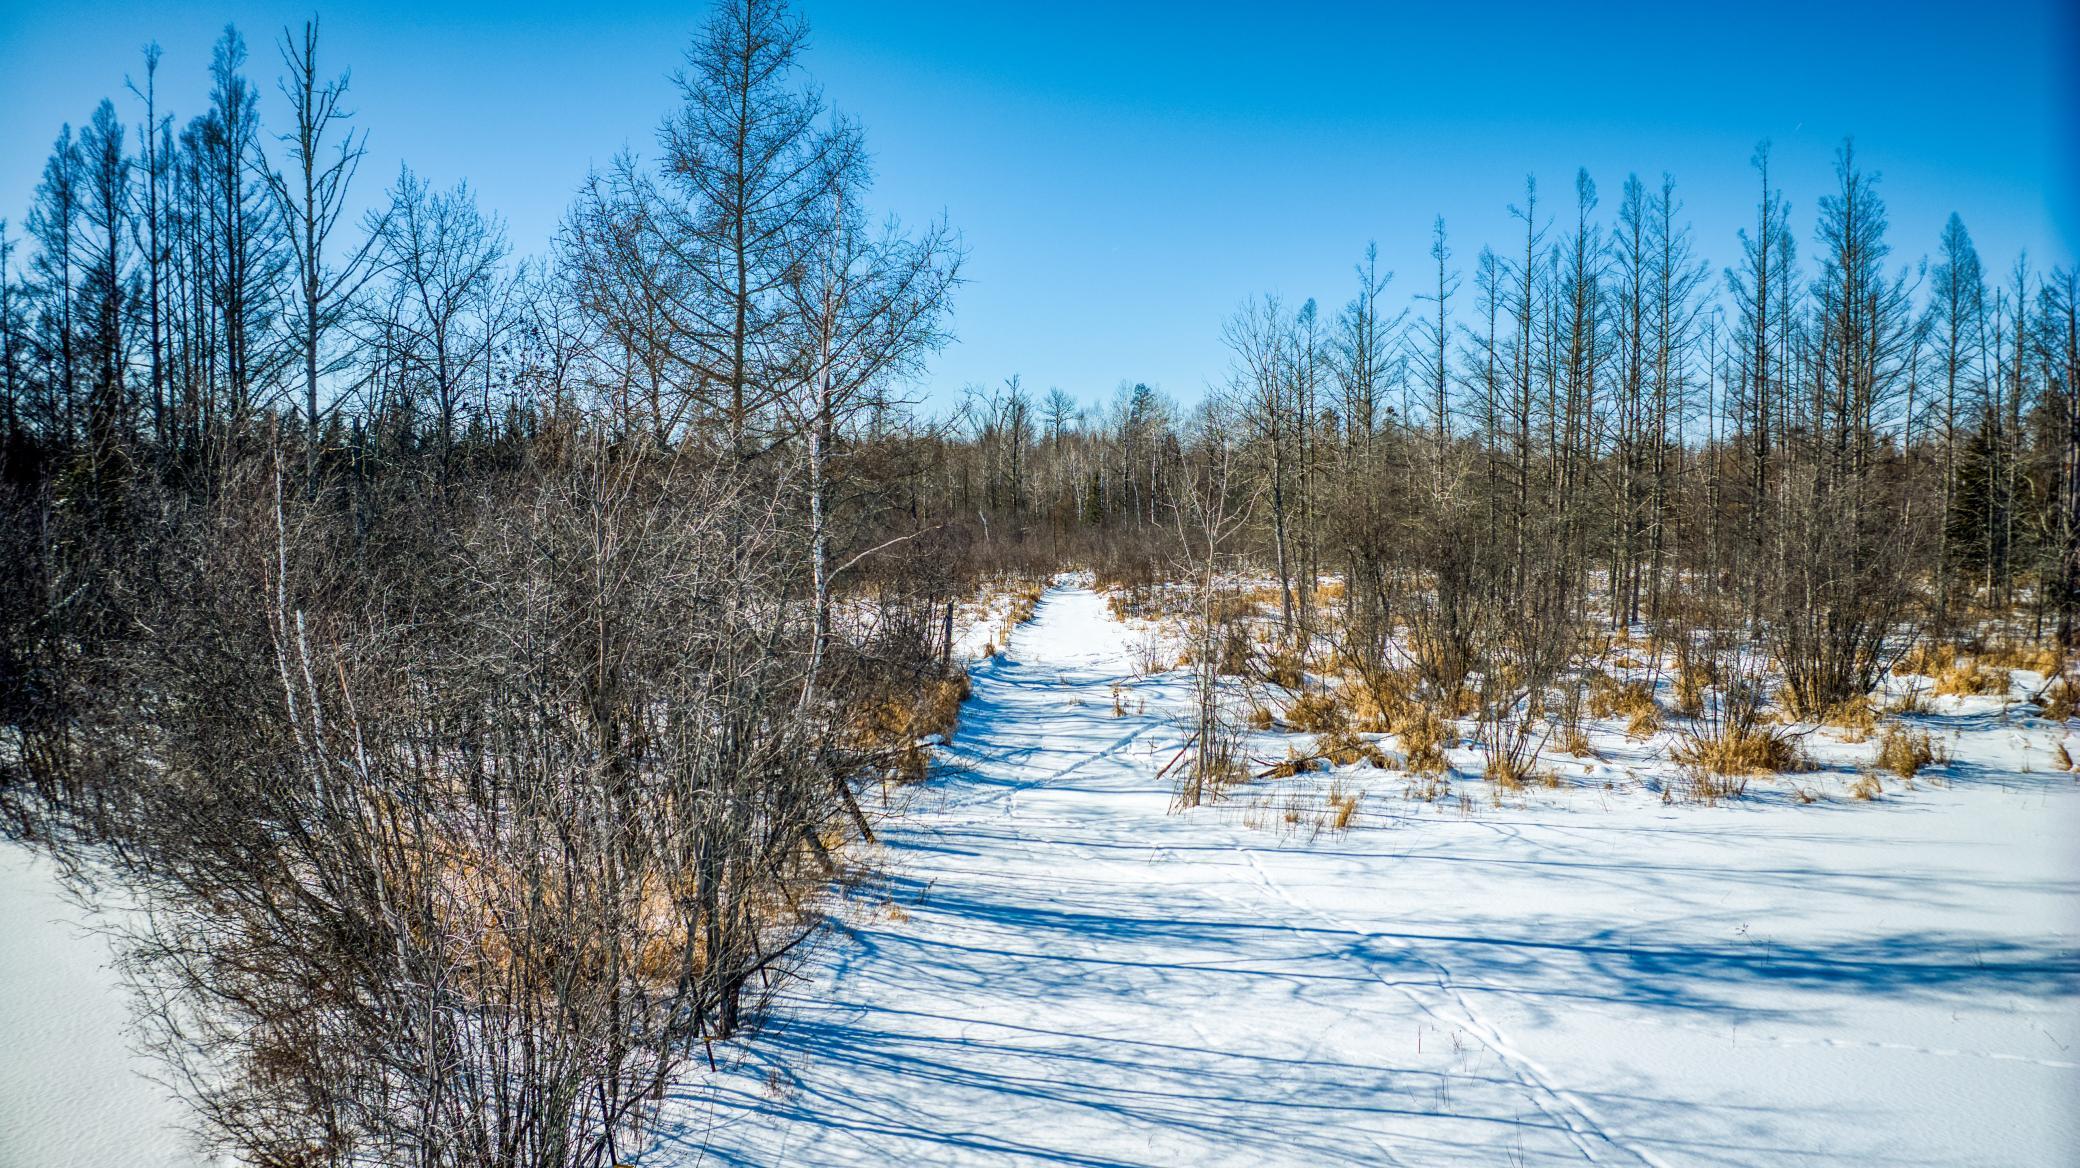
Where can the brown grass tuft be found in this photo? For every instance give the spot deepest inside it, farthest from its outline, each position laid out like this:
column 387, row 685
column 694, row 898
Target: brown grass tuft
column 1854, row 717
column 1866, row 787
column 1692, row 679
column 2042, row 659
column 1423, row 736
column 902, row 725
column 1913, row 700
column 1972, row 678
column 1927, row 658
column 2061, row 700
column 1343, row 806
column 1380, row 699
column 1284, row 668
column 1342, row 748
column 1644, row 724
column 1505, row 778
column 1759, row 751
column 1608, row 696
column 1904, row 752
column 1318, row 712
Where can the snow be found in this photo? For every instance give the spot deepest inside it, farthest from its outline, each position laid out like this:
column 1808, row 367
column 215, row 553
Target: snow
column 73, row 1092
column 1057, row 969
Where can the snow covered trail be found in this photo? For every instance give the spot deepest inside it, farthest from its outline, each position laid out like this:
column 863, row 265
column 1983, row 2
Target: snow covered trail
column 1061, row 971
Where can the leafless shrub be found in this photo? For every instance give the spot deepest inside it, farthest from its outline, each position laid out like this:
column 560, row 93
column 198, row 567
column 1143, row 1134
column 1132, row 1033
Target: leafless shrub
column 1732, row 738
column 464, row 834
column 1523, row 652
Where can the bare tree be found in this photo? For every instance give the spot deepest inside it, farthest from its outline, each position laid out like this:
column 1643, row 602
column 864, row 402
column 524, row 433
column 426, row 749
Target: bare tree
column 323, row 157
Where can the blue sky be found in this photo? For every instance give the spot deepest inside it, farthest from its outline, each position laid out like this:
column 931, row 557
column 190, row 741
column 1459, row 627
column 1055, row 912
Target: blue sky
column 1125, row 174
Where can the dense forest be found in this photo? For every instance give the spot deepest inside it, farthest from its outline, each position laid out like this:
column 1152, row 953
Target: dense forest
column 474, row 663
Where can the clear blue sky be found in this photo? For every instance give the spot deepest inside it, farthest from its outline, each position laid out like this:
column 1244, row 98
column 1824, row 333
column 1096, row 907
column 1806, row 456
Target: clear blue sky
column 1125, row 174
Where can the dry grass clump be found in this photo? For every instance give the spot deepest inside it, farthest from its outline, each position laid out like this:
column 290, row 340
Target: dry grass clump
column 1233, row 653
column 1904, row 751
column 2061, row 700
column 1373, row 712
column 1462, row 702
column 1608, row 697
column 1127, row 602
column 1423, row 735
column 1866, row 787
column 1346, row 812
column 1504, row 776
column 1343, row 806
column 2042, row 659
column 902, row 727
column 939, row 709
column 1261, row 596
column 1304, row 809
column 1855, row 717
column 1261, row 718
column 1342, row 748
column 1758, row 750
column 1318, row 712
column 1927, row 658
column 1576, row 743
column 1285, row 668
column 1693, row 677
column 1508, row 777
column 1644, row 724
column 1025, row 597
column 1703, row 786
column 1378, row 699
column 1972, row 677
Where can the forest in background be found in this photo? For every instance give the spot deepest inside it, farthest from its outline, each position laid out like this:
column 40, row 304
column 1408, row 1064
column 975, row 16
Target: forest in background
column 473, row 663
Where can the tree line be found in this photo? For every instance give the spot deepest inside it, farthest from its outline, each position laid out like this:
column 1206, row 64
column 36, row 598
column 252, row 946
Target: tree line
column 1837, row 450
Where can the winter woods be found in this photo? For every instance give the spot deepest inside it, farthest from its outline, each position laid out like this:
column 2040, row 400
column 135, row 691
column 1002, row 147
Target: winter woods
column 471, row 662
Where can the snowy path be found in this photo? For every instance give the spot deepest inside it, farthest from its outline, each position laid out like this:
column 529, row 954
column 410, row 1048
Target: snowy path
column 1072, row 975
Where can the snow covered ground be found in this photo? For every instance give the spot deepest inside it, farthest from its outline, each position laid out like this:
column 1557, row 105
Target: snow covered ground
column 73, row 1094
column 1060, row 971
